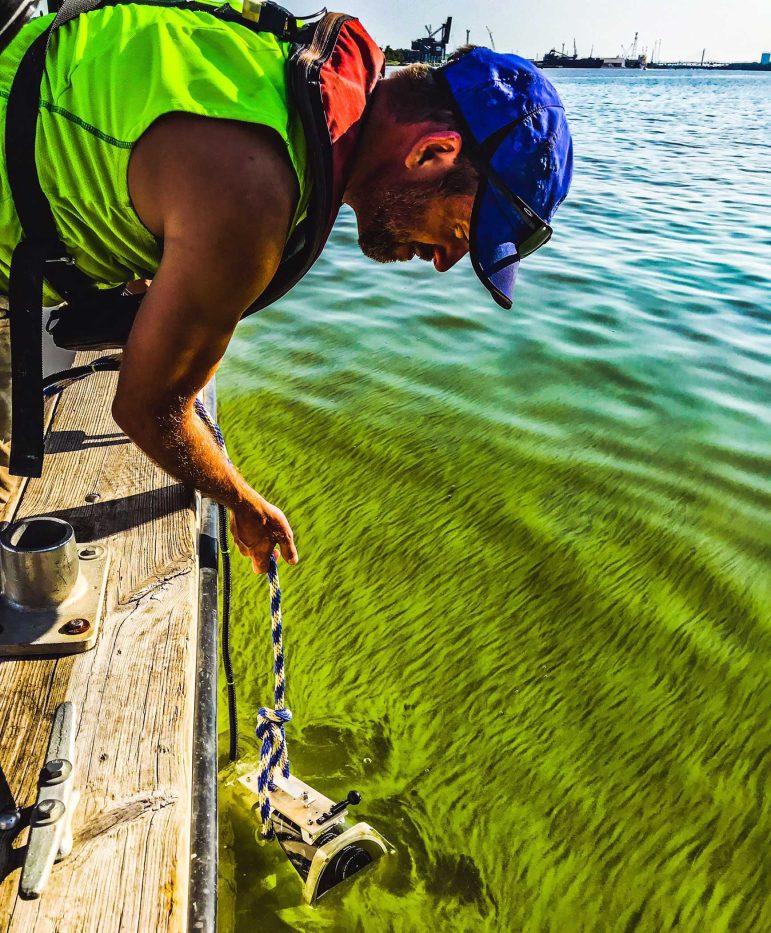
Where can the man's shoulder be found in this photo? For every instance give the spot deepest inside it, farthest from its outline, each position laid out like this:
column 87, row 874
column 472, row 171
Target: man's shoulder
column 207, row 169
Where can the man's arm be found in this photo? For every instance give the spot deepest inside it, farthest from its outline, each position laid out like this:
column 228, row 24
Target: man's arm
column 221, row 195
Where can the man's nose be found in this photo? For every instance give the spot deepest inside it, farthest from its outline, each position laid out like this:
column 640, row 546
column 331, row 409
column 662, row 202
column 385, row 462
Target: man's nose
column 445, row 257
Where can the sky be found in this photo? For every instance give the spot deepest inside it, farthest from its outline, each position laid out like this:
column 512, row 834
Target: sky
column 738, row 30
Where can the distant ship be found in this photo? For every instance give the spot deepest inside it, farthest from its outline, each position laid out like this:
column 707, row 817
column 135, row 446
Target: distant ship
column 555, row 59
column 641, row 62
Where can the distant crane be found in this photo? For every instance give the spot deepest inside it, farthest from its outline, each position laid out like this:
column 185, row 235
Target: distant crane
column 492, row 41
column 631, row 58
column 432, row 48
column 444, row 29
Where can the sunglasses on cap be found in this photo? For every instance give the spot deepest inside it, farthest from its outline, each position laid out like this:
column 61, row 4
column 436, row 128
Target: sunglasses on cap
column 480, row 157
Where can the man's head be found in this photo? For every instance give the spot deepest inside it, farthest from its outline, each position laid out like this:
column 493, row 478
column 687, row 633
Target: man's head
column 413, row 188
column 474, row 155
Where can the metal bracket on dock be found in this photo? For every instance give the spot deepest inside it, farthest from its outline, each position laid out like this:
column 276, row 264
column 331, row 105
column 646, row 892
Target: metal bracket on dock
column 50, row 821
column 53, row 589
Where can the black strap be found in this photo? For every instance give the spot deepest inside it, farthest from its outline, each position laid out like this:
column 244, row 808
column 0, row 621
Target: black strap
column 25, row 299
column 25, row 287
column 39, row 255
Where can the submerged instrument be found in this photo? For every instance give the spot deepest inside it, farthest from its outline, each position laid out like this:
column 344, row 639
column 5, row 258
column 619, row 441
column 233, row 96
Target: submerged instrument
column 323, row 845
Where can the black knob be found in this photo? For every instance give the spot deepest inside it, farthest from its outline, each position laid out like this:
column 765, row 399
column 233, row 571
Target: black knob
column 352, row 799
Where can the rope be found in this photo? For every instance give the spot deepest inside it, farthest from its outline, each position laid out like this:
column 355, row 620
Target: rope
column 271, row 722
column 56, row 382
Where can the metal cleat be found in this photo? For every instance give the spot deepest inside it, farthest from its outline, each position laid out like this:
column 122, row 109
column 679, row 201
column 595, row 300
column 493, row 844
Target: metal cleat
column 50, row 832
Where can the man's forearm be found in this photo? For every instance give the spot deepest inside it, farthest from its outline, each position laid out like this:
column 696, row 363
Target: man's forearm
column 180, row 442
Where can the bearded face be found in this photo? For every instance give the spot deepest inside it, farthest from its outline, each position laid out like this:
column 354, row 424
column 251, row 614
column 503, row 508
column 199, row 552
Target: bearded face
column 429, row 220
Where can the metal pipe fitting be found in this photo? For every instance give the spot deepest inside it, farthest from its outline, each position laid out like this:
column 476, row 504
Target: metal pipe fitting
column 38, row 563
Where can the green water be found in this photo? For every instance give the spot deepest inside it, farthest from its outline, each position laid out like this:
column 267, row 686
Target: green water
column 531, row 619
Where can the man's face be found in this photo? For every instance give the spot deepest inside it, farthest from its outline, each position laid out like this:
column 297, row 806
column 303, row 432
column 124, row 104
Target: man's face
column 428, row 219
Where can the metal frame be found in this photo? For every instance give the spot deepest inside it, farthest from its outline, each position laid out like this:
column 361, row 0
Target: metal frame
column 202, row 894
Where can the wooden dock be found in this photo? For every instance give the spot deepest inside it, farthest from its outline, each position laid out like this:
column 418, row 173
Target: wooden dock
column 144, row 857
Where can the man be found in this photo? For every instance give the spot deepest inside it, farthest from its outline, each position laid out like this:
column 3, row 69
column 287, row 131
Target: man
column 171, row 150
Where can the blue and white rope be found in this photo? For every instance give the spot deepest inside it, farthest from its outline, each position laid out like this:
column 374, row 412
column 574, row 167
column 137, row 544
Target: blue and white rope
column 271, row 722
column 211, row 424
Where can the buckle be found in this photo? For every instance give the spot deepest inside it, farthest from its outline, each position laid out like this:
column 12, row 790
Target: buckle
column 270, row 17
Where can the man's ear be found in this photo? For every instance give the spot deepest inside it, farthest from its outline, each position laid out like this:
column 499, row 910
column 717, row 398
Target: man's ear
column 436, row 150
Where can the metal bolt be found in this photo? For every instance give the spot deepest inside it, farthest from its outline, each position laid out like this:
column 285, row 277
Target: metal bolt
column 54, row 768
column 47, row 812
column 55, row 771
column 76, row 627
column 9, row 819
column 93, row 497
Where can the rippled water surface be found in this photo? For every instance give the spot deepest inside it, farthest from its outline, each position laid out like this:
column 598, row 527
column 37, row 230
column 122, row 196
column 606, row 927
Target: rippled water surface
column 531, row 620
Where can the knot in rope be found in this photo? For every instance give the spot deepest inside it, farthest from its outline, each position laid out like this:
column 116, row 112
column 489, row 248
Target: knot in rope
column 271, row 716
column 270, row 722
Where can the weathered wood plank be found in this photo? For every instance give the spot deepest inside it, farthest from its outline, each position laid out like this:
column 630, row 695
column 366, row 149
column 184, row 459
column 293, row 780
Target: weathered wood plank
column 134, row 692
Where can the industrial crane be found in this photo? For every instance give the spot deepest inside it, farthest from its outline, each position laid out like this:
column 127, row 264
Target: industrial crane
column 430, row 48
column 445, row 31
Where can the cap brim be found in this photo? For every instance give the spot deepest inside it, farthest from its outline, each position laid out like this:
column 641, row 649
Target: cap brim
column 492, row 240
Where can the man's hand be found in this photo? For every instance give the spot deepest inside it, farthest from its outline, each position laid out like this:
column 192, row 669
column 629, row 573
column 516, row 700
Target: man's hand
column 221, row 196
column 257, row 528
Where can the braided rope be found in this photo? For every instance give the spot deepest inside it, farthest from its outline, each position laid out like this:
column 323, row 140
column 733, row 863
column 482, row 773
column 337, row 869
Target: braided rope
column 270, row 722
column 211, row 424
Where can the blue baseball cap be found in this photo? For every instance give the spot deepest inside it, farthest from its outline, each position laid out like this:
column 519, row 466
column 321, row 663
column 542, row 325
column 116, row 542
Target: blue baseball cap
column 516, row 134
